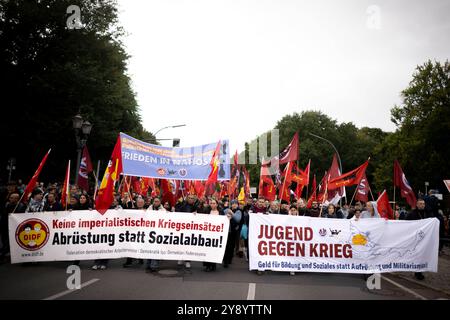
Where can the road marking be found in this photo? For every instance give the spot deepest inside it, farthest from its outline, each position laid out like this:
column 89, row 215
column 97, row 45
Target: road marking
column 61, row 294
column 251, row 291
column 404, row 288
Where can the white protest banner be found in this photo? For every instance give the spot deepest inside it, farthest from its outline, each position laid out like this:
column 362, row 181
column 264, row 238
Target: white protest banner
column 87, row 235
column 292, row 243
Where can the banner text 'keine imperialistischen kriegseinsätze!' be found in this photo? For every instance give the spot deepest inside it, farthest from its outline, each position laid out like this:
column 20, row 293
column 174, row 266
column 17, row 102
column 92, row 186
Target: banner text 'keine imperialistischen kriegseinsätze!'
column 87, row 235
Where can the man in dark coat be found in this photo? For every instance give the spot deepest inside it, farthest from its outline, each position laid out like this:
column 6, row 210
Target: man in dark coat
column 417, row 214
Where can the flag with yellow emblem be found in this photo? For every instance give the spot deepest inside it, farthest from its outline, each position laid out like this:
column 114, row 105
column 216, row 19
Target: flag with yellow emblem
column 212, row 178
column 105, row 194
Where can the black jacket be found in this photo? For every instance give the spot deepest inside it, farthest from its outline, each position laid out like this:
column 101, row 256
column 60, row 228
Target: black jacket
column 186, row 207
column 417, row 214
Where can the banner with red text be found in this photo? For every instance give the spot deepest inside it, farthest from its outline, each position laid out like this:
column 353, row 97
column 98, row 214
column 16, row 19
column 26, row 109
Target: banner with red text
column 303, row 244
column 88, row 235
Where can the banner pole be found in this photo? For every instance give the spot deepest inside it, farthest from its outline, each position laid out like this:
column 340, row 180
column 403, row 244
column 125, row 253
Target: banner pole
column 20, row 200
column 354, row 193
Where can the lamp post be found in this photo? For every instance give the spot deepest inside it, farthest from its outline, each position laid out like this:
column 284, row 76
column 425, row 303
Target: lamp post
column 82, row 130
column 10, row 167
column 339, row 157
column 176, row 126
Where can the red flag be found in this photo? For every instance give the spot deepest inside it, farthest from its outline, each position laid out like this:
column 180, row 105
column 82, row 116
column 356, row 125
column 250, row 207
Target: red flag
column 85, row 169
column 32, row 184
column 155, row 188
column 136, row 185
column 212, row 178
column 447, row 184
column 383, row 207
column 313, row 196
column 334, row 172
column 405, row 189
column 266, row 185
column 66, row 189
column 349, row 178
column 246, row 182
column 124, row 186
column 145, row 184
column 301, row 178
column 167, row 188
column 290, row 153
column 322, row 188
column 199, row 188
column 234, row 181
column 362, row 193
column 105, row 195
column 287, row 179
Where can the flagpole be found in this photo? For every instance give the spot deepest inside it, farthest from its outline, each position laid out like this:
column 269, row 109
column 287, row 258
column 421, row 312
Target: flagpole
column 393, row 208
column 324, row 195
column 354, row 193
column 37, row 172
column 20, row 200
column 67, row 186
column 370, row 190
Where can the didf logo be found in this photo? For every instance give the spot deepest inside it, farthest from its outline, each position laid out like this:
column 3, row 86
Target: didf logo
column 32, row 234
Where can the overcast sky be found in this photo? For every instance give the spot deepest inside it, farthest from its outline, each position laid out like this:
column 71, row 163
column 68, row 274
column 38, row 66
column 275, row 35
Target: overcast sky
column 230, row 69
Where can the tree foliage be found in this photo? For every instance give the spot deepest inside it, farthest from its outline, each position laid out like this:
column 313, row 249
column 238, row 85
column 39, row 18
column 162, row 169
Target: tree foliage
column 50, row 73
column 421, row 142
column 354, row 145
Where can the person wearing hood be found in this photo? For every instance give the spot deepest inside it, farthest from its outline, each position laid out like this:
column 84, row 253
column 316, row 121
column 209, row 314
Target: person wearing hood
column 371, row 211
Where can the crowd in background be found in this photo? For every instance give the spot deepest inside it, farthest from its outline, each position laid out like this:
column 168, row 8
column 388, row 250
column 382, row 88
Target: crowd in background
column 47, row 198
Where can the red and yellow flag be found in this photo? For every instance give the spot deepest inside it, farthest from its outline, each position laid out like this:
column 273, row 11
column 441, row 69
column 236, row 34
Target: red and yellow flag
column 105, row 194
column 66, row 190
column 212, row 178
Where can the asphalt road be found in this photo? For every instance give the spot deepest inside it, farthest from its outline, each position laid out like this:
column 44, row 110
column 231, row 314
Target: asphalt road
column 48, row 281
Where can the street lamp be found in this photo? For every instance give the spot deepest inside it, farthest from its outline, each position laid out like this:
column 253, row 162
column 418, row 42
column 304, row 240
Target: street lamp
column 339, row 157
column 82, row 130
column 10, row 167
column 177, row 126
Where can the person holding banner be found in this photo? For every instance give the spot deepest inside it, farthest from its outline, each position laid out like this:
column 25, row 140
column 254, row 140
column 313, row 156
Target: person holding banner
column 214, row 210
column 152, row 265
column 356, row 215
column 260, row 206
column 370, row 211
column 190, row 205
column 331, row 212
column 235, row 216
column 140, row 203
column 314, row 211
column 127, row 202
column 12, row 205
column 293, row 211
column 168, row 207
column 51, row 204
column 417, row 214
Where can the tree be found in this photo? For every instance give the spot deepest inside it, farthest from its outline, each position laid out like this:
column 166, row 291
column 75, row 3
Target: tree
column 354, row 145
column 421, row 142
column 50, row 73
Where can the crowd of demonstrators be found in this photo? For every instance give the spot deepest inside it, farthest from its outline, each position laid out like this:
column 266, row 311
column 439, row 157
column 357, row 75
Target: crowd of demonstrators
column 49, row 199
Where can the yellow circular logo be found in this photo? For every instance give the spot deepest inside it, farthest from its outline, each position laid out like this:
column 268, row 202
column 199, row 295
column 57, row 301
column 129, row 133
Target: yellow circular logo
column 359, row 240
column 32, row 234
